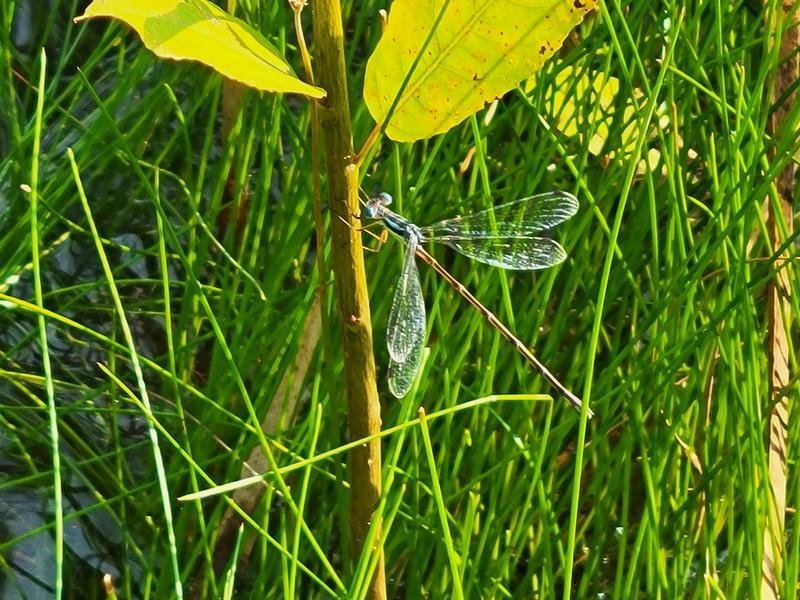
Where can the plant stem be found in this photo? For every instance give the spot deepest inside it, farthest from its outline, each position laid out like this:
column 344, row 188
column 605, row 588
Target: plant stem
column 319, row 221
column 351, row 284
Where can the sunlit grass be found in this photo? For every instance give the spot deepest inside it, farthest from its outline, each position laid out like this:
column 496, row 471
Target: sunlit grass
column 659, row 317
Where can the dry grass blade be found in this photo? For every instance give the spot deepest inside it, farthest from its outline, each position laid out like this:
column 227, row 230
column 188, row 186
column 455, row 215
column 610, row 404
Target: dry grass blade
column 779, row 307
column 283, row 408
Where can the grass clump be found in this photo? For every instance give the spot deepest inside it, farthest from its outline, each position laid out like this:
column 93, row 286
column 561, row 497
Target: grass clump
column 660, row 316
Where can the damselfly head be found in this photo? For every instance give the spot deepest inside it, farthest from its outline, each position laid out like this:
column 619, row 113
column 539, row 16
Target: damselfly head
column 372, row 207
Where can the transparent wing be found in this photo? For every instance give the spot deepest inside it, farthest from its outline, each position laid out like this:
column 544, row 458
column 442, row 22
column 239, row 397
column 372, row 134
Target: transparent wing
column 403, row 373
column 520, row 218
column 405, row 333
column 515, row 253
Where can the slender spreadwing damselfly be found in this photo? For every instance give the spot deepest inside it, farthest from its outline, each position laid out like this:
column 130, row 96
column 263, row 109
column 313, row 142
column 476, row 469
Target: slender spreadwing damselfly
column 508, row 236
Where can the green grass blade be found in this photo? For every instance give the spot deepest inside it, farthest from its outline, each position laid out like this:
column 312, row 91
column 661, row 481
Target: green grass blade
column 166, row 500
column 58, row 506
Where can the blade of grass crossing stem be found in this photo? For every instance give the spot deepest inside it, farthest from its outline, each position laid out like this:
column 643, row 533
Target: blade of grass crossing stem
column 230, row 573
column 137, row 369
column 452, row 557
column 301, row 504
column 374, row 557
column 258, row 479
column 42, row 326
column 368, row 563
column 283, row 526
column 362, row 574
column 467, row 527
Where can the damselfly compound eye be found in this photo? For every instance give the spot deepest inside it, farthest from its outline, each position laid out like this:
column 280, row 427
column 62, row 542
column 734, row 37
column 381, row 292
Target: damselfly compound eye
column 371, row 209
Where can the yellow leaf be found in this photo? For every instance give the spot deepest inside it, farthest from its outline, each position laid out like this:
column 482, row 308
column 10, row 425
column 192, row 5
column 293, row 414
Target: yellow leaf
column 198, row 30
column 576, row 89
column 599, row 91
column 480, row 50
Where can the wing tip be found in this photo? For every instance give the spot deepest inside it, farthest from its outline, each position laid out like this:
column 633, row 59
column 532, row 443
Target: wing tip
column 571, row 203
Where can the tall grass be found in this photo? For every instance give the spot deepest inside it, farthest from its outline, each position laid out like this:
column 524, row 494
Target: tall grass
column 659, row 316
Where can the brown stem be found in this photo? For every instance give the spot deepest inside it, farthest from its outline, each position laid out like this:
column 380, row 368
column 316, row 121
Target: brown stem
column 351, row 285
column 297, row 7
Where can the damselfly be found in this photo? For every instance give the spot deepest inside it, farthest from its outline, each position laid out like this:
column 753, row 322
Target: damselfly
column 507, row 236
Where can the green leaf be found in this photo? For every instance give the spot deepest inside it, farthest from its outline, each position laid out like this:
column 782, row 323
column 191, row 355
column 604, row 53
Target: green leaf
column 480, row 50
column 198, row 30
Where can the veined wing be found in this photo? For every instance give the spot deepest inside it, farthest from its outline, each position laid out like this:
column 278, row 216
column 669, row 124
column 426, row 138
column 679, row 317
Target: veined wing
column 521, row 218
column 514, row 253
column 405, row 333
column 403, row 373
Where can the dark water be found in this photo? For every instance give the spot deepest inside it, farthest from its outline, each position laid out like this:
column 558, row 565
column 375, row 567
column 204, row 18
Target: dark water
column 93, row 541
